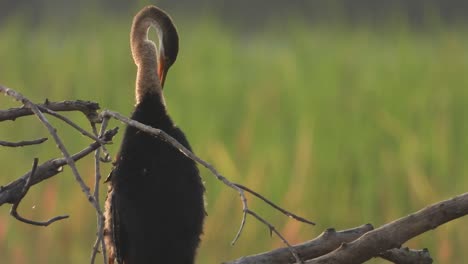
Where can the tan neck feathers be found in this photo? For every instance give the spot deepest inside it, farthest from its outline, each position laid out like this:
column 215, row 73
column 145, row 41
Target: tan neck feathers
column 144, row 51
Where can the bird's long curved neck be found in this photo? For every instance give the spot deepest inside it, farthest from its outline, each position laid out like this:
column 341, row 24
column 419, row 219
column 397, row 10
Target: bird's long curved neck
column 145, row 53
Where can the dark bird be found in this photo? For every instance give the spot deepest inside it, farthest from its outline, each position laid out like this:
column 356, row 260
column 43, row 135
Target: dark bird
column 154, row 207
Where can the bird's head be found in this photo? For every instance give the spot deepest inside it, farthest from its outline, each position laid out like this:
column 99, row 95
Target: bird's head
column 145, row 53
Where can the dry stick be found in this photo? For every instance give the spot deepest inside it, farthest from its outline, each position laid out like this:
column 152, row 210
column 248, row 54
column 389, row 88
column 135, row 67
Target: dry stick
column 13, row 210
column 22, row 143
column 101, row 133
column 69, row 122
column 244, row 219
column 97, row 179
column 189, row 154
column 27, row 103
column 328, row 241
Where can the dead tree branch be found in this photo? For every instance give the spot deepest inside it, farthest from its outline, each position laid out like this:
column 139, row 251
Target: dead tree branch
column 394, row 234
column 89, row 109
column 53, row 132
column 328, row 241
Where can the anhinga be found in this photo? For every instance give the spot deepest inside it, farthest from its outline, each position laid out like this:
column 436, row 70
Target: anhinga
column 154, row 208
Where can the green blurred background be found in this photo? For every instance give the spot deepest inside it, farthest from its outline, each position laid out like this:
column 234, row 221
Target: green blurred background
column 343, row 115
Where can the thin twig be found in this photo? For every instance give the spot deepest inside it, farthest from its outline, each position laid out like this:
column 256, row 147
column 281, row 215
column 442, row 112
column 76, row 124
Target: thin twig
column 285, row 212
column 22, row 143
column 27, row 185
column 107, row 157
column 274, row 230
column 243, row 221
column 100, row 216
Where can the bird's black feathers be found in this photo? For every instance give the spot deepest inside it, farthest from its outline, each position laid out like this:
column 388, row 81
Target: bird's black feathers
column 156, row 193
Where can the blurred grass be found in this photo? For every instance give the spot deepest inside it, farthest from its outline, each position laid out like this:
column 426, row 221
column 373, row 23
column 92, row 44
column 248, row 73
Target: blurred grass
column 341, row 124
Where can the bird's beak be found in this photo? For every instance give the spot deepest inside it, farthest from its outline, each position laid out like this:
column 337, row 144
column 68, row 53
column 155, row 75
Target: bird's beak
column 162, row 71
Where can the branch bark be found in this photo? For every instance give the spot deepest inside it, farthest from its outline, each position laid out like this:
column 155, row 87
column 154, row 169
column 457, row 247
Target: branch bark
column 407, row 256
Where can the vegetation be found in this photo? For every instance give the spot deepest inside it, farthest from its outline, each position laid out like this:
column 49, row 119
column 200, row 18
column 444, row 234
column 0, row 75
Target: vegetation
column 344, row 125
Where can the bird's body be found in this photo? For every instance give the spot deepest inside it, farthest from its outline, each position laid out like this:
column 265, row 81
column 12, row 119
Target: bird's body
column 154, row 208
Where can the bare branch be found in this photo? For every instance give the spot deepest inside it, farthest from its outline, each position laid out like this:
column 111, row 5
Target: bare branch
column 394, row 234
column 22, row 143
column 328, row 241
column 89, row 109
column 14, row 212
column 27, row 103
